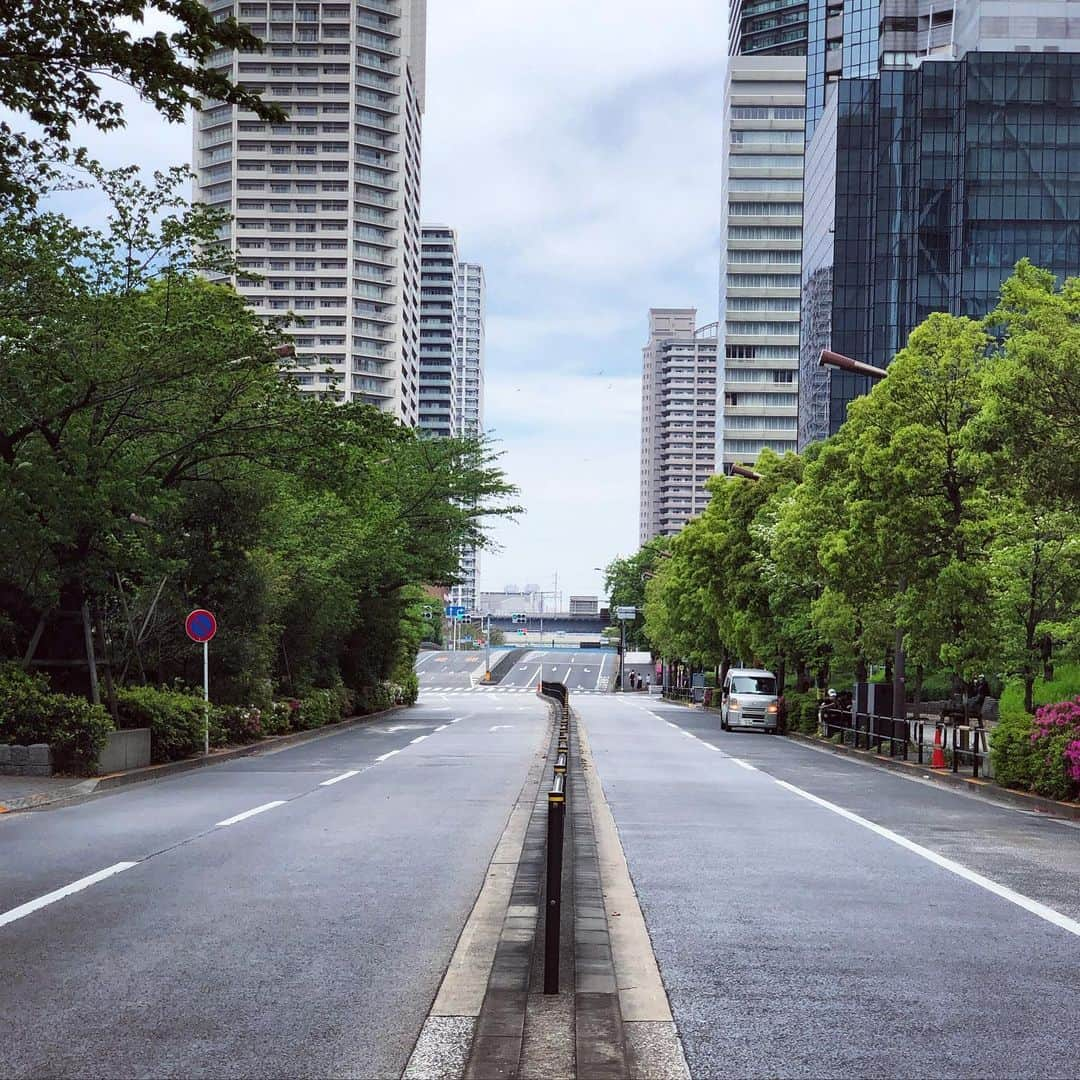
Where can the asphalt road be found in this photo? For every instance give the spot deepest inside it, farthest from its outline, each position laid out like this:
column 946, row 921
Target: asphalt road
column 577, row 669
column 307, row 939
column 852, row 924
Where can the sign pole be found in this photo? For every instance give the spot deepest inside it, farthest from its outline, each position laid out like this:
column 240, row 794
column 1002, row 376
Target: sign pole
column 206, row 695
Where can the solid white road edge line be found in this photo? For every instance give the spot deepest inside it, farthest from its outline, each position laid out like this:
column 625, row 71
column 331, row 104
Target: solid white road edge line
column 1025, row 902
column 249, row 813
column 338, row 779
column 50, row 898
column 391, row 753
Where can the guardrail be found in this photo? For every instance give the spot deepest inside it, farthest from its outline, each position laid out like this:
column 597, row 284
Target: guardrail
column 681, row 694
column 556, row 832
column 871, row 732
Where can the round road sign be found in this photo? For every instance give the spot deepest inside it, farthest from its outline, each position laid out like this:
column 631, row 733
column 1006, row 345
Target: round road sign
column 200, row 625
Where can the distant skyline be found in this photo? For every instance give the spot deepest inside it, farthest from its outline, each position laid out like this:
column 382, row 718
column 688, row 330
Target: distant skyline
column 577, row 153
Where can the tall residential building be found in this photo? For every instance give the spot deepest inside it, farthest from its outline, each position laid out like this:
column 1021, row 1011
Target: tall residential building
column 678, row 420
column 924, row 186
column 326, row 204
column 758, row 355
column 768, row 27
column 452, row 359
column 439, row 332
column 472, row 301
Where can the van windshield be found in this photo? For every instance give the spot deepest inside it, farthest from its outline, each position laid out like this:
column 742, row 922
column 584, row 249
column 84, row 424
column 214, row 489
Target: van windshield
column 753, row 684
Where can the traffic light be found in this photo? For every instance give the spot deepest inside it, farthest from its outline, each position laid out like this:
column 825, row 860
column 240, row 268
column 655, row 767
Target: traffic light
column 518, row 617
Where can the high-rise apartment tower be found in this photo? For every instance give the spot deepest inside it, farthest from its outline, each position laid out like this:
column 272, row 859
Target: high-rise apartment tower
column 758, row 355
column 678, row 420
column 767, row 27
column 439, row 332
column 325, row 205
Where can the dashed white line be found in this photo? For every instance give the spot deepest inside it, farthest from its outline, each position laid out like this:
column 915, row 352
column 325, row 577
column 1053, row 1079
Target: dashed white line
column 1025, row 902
column 58, row 894
column 419, row 738
column 390, row 754
column 338, row 779
column 250, row 813
column 745, row 764
column 670, row 724
column 442, row 727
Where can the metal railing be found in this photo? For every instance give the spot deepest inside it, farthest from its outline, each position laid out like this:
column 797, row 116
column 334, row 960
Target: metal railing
column 678, row 693
column 904, row 738
column 556, row 832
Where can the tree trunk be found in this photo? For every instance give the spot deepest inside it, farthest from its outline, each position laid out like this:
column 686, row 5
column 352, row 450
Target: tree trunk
column 781, row 673
column 802, row 676
column 1046, row 648
column 1029, row 692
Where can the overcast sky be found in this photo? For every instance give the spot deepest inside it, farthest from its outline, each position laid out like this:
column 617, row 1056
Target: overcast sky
column 576, row 148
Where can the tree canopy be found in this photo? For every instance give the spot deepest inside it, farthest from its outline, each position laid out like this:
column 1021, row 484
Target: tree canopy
column 54, row 55
column 944, row 510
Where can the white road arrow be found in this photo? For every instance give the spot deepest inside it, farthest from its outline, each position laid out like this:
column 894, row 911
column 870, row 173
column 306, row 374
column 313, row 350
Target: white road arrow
column 500, row 727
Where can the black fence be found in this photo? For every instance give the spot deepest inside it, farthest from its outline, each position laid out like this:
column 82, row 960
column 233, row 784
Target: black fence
column 904, row 739
column 556, row 833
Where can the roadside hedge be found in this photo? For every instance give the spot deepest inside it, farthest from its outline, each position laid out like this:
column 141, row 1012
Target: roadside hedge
column 175, row 719
column 31, row 713
column 1039, row 753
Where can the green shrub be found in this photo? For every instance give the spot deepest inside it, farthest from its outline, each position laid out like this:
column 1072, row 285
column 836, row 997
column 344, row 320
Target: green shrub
column 242, row 723
column 175, row 719
column 277, row 720
column 1012, row 750
column 372, row 699
column 410, row 689
column 1050, row 772
column 346, row 702
column 318, row 709
column 1064, row 685
column 30, row 713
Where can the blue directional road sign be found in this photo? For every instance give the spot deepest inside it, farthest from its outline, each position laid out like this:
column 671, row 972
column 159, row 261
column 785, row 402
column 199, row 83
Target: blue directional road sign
column 455, row 612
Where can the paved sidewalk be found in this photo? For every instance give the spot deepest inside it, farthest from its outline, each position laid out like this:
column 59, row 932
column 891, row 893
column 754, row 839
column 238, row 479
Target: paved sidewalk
column 17, row 792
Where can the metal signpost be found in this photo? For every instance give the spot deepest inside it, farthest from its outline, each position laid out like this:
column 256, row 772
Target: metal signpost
column 201, row 626
column 624, row 615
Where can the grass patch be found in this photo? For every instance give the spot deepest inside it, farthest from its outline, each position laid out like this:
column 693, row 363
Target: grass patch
column 1064, row 685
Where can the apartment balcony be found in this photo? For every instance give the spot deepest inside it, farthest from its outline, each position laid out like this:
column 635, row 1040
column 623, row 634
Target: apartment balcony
column 377, row 43
column 383, row 7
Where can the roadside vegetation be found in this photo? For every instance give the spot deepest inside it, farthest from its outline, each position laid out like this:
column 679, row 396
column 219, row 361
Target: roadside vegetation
column 156, row 453
column 945, row 509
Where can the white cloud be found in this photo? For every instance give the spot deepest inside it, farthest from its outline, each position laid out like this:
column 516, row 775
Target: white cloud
column 577, row 150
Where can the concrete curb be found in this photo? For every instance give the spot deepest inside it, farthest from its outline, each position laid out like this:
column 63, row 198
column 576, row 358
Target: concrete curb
column 984, row 789
column 112, row 781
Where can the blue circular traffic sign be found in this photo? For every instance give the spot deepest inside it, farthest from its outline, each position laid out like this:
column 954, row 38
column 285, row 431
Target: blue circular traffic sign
column 200, row 625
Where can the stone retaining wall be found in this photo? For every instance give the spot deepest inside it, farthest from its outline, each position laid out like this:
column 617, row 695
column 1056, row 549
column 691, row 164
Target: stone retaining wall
column 33, row 760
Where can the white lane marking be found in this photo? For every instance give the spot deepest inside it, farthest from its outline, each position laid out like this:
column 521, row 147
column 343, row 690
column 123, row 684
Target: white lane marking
column 419, row 738
column 455, row 720
column 383, row 757
column 338, row 779
column 250, row 813
column 500, row 727
column 1025, row 902
column 745, row 764
column 442, row 727
column 668, row 722
column 58, row 894
column 689, row 734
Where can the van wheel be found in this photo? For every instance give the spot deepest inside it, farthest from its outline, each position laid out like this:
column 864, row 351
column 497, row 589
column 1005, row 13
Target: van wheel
column 724, row 725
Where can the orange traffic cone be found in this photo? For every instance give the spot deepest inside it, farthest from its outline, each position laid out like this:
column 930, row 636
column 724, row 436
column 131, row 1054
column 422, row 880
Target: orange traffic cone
column 938, row 760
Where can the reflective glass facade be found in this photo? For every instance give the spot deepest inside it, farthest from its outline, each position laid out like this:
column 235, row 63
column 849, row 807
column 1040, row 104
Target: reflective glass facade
column 946, row 176
column 768, row 27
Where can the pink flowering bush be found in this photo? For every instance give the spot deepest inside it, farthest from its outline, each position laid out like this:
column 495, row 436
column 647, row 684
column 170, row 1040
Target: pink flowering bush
column 1040, row 753
column 1056, row 743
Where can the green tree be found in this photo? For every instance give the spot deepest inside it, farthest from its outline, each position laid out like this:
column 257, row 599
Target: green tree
column 625, row 580
column 54, row 52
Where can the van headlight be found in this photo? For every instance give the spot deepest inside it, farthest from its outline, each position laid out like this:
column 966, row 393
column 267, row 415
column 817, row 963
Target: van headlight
column 733, row 703
column 773, row 707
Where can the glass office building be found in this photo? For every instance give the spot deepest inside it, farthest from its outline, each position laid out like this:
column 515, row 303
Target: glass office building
column 944, row 177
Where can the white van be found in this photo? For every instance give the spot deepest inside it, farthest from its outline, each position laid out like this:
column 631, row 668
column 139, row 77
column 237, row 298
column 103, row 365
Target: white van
column 748, row 699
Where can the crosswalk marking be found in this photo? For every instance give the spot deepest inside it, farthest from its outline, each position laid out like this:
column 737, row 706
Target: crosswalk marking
column 447, row 691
